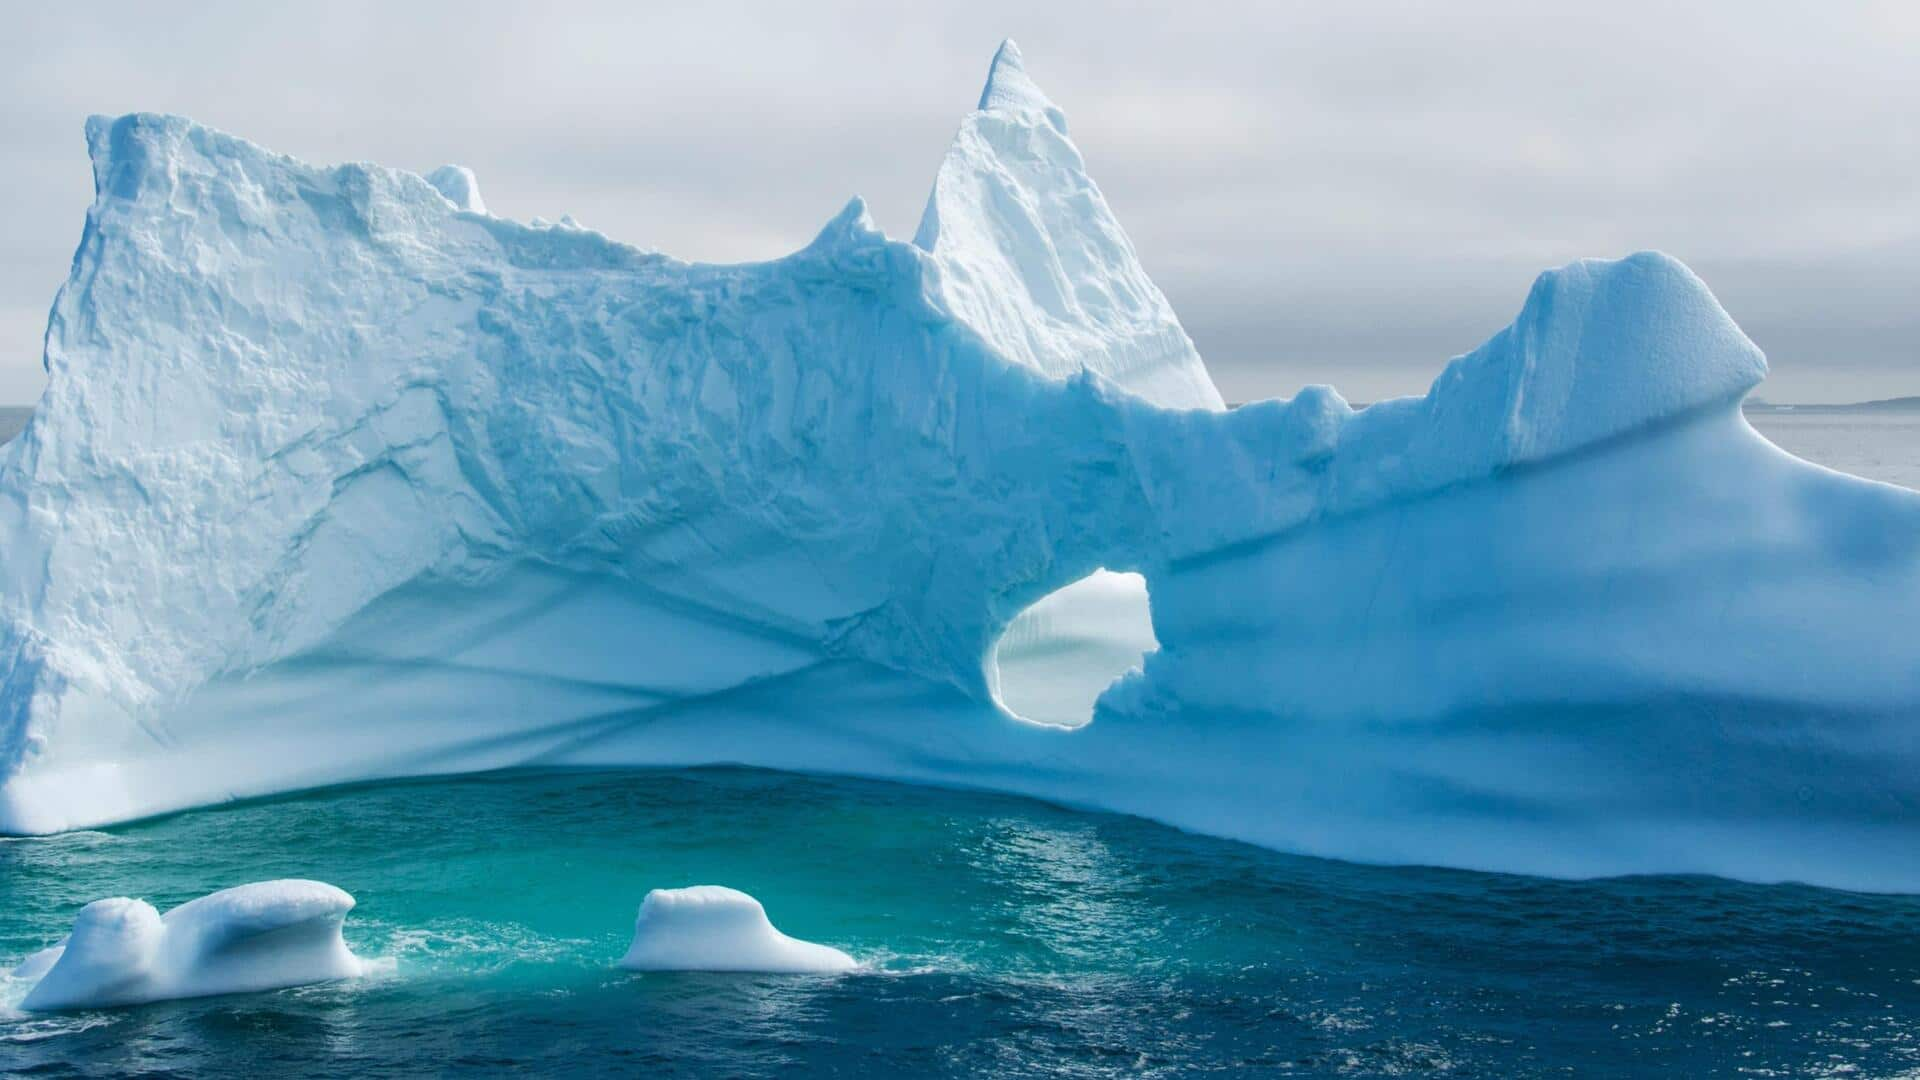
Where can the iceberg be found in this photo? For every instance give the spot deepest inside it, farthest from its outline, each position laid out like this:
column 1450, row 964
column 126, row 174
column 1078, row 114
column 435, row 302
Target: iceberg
column 264, row 936
column 714, row 928
column 339, row 477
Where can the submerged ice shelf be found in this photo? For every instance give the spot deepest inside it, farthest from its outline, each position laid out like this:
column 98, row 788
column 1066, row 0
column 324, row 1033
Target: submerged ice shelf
column 337, row 476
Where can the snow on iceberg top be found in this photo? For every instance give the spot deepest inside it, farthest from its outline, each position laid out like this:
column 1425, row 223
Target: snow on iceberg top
column 460, row 186
column 1030, row 252
column 1601, row 348
column 1010, row 89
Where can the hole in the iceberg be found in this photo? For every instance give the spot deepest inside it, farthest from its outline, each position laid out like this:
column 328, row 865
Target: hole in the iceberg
column 1055, row 658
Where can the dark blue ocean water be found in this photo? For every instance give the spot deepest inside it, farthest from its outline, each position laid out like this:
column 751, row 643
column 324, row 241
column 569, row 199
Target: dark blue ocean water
column 1005, row 938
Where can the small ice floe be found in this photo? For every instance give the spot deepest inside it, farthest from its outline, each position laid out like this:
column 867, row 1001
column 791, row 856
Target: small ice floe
column 263, row 936
column 713, row 928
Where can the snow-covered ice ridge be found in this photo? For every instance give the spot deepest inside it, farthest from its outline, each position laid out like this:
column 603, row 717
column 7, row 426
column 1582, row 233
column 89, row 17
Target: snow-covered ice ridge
column 336, row 477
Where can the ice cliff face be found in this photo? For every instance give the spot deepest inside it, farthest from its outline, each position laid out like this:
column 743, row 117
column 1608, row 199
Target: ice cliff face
column 336, row 476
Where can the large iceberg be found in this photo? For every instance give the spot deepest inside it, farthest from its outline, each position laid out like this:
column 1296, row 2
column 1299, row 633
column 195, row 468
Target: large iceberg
column 336, row 477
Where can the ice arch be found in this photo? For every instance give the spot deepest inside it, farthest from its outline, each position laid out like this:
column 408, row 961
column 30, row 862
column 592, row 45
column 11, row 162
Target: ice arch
column 1057, row 657
column 334, row 479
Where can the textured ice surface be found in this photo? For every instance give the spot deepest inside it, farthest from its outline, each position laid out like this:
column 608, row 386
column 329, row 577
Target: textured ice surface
column 336, row 477
column 1030, row 255
column 460, row 186
column 263, row 936
column 714, row 928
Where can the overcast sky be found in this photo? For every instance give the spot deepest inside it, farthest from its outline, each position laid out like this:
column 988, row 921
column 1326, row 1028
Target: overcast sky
column 1348, row 196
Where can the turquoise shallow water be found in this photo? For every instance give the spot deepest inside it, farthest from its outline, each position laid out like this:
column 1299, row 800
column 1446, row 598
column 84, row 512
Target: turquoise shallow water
column 1004, row 937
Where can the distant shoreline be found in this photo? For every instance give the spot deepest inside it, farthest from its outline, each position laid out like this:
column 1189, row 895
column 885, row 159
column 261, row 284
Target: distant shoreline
column 1899, row 404
column 1760, row 405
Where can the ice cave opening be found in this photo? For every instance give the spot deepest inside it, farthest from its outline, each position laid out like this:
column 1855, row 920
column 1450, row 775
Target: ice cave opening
column 1058, row 656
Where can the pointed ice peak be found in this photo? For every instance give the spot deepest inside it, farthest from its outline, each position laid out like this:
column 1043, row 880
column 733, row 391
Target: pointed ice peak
column 1031, row 255
column 460, row 186
column 1010, row 89
column 851, row 224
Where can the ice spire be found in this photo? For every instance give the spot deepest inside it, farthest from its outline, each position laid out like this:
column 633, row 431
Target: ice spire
column 1010, row 89
column 1032, row 257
